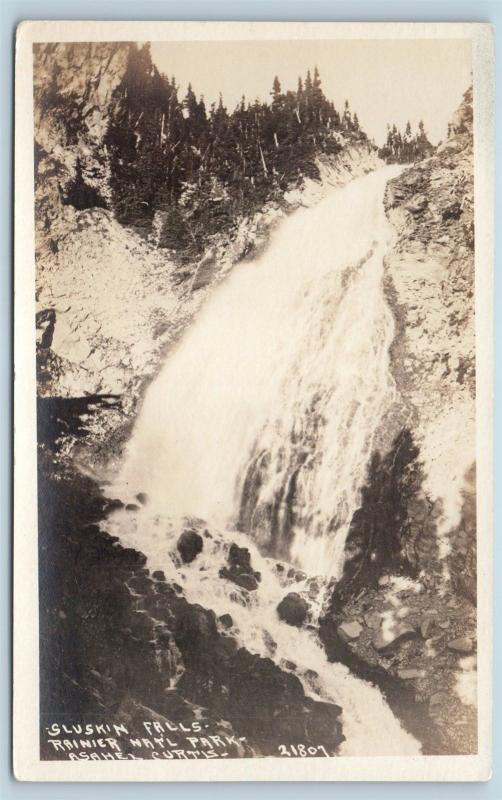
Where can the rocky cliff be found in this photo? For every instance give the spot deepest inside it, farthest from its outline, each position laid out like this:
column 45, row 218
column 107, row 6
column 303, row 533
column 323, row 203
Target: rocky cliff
column 110, row 300
column 73, row 92
column 410, row 575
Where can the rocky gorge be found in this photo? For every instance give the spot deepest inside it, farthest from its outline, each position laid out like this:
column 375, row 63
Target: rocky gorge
column 125, row 637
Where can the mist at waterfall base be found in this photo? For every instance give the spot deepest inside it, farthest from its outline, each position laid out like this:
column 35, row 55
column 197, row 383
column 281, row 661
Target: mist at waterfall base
column 260, row 426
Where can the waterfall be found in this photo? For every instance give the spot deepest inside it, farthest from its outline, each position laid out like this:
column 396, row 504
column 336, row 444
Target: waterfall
column 263, row 419
column 261, row 423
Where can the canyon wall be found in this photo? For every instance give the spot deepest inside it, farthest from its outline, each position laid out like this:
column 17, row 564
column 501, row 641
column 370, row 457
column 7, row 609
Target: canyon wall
column 411, row 549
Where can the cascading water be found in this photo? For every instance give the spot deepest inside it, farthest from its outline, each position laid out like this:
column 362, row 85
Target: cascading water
column 261, row 424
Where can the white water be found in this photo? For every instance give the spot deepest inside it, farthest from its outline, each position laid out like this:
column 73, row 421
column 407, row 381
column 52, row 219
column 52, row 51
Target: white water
column 286, row 372
column 281, row 381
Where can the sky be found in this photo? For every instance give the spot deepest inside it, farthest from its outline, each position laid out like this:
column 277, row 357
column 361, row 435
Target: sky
column 384, row 80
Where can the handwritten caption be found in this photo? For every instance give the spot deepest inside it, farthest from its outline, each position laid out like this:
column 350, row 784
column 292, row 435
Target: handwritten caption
column 152, row 740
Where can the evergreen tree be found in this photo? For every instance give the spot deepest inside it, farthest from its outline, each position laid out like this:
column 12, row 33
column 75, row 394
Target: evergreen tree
column 201, row 169
column 347, row 116
column 317, row 95
column 406, row 148
column 276, row 93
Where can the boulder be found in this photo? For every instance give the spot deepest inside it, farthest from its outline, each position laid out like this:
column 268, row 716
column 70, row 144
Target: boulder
column 348, row 631
column 239, row 569
column 426, row 626
column 387, row 644
column 293, row 609
column 226, row 620
column 142, row 498
column 158, row 575
column 463, row 645
column 245, row 580
column 410, row 674
column 240, row 558
column 189, row 545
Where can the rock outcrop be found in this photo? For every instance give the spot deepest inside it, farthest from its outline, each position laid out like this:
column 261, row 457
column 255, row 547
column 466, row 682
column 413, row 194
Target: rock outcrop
column 410, row 571
column 122, row 644
column 73, row 91
column 239, row 569
column 189, row 545
column 293, row 609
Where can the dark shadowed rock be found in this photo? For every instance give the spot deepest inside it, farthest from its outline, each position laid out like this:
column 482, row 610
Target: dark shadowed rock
column 113, row 505
column 142, row 498
column 245, row 580
column 226, row 620
column 452, row 212
column 158, row 575
column 239, row 558
column 239, row 569
column 139, row 584
column 293, row 609
column 189, row 545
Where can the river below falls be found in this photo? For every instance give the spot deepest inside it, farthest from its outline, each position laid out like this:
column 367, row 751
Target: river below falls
column 259, row 428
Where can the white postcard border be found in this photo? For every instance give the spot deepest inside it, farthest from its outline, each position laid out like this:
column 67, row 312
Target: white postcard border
column 27, row 765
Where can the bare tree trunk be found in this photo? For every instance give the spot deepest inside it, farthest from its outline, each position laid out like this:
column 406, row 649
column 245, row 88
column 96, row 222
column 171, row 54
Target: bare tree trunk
column 265, row 170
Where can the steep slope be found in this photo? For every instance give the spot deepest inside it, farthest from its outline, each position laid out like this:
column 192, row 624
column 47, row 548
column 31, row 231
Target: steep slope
column 73, row 91
column 410, row 574
column 431, row 287
column 110, row 300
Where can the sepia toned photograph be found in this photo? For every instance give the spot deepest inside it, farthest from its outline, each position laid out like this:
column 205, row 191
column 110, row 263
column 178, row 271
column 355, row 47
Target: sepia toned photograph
column 258, row 371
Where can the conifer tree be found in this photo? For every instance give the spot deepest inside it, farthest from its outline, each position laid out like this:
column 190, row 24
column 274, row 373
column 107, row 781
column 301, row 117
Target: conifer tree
column 202, row 168
column 347, row 117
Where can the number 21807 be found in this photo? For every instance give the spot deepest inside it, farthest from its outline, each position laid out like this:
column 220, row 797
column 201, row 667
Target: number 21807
column 302, row 750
